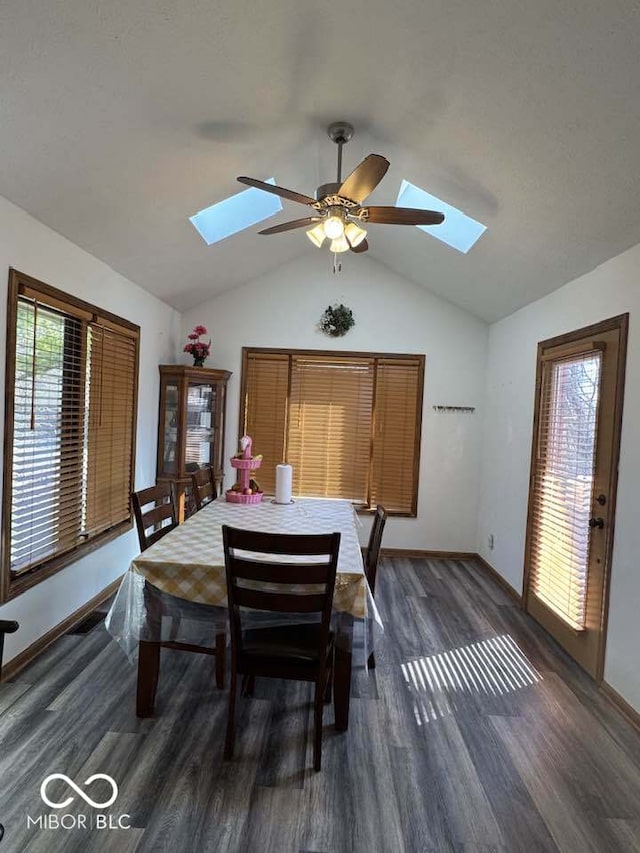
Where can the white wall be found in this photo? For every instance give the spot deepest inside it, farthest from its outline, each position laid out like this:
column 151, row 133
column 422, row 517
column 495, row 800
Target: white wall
column 282, row 309
column 32, row 248
column 609, row 290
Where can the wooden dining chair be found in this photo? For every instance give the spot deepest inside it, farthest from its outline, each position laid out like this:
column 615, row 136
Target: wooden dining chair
column 189, row 505
column 6, row 627
column 156, row 515
column 160, row 515
column 372, row 556
column 203, row 486
column 298, row 652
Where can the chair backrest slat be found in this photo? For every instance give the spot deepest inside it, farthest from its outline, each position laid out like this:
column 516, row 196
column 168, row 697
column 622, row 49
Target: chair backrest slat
column 203, row 486
column 163, row 509
column 157, row 515
column 373, row 549
column 278, row 602
column 300, row 582
column 294, row 544
column 261, row 570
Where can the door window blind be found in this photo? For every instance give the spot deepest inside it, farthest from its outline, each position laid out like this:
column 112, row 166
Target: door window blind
column 563, row 484
column 348, row 423
column 70, row 426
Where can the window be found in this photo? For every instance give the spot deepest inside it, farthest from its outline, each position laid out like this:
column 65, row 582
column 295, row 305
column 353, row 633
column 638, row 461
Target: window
column 348, row 423
column 235, row 213
column 69, row 430
column 458, row 230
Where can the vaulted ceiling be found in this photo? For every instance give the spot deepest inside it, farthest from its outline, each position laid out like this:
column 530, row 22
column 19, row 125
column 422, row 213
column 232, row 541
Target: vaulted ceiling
column 119, row 119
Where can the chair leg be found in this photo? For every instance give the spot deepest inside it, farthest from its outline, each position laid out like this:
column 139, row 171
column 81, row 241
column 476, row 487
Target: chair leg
column 248, row 685
column 221, row 650
column 328, row 690
column 371, row 662
column 317, row 731
column 148, row 670
column 231, row 719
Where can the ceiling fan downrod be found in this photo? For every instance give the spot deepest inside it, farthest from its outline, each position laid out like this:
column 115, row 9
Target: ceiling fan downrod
column 340, row 132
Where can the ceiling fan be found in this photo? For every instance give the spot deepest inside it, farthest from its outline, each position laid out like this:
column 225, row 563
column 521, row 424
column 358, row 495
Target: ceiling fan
column 338, row 211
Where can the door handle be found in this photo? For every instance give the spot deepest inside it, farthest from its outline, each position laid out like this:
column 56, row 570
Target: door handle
column 596, row 522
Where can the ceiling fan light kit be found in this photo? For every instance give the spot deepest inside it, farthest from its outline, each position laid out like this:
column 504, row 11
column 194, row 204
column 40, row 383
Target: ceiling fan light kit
column 334, row 224
column 338, row 211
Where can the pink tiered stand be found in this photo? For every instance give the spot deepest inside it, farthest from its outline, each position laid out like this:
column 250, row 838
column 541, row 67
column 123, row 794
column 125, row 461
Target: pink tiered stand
column 245, row 465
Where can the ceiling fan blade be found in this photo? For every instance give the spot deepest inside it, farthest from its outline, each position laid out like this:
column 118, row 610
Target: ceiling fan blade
column 404, row 216
column 364, row 178
column 361, row 247
column 288, row 226
column 281, row 191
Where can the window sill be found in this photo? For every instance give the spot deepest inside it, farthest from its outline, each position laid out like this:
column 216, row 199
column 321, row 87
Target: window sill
column 16, row 586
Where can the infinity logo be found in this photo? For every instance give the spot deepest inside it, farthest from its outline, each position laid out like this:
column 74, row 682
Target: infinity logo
column 80, row 793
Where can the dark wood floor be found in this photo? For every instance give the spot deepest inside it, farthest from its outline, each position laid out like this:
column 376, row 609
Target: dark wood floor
column 475, row 733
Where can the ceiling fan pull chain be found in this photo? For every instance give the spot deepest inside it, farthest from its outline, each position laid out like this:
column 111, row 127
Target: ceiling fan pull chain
column 337, row 265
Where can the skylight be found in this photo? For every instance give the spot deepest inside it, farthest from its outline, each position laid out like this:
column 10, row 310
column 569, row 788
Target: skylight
column 235, row 213
column 458, row 230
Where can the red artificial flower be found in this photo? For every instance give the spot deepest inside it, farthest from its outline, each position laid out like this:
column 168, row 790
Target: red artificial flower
column 197, row 348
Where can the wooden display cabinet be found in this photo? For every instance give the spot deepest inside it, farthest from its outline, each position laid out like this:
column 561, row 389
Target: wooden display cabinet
column 191, row 424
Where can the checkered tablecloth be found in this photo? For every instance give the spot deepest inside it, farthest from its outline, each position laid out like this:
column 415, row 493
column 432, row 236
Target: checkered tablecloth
column 189, row 561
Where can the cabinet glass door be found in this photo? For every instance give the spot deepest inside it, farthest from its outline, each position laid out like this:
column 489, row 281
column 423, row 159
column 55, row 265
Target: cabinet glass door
column 171, row 421
column 200, row 432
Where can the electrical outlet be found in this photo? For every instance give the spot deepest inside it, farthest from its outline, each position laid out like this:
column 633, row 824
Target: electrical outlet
column 490, row 541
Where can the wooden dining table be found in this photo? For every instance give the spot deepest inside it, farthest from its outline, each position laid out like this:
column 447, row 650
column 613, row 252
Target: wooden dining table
column 188, row 563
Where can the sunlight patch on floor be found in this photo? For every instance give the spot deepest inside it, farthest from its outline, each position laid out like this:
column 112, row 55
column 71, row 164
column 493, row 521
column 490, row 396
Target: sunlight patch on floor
column 492, row 668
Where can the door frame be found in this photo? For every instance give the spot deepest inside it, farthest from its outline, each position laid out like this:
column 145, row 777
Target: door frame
column 621, row 322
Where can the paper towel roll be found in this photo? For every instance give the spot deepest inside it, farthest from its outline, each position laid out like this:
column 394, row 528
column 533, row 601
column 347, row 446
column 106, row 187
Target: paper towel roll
column 284, row 479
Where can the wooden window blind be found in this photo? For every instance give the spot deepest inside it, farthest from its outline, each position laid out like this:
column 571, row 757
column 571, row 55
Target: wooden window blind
column 266, row 381
column 563, row 484
column 329, row 435
column 396, row 436
column 48, row 435
column 69, row 428
column 348, row 423
column 111, row 388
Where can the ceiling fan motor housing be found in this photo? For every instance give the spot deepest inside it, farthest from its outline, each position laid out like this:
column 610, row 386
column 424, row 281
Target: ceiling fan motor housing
column 327, row 189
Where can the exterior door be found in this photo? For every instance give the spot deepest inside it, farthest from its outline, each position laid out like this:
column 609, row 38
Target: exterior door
column 579, row 394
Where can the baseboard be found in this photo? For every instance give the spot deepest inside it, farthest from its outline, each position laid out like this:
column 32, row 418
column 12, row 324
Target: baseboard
column 621, row 704
column 497, row 577
column 427, row 555
column 456, row 555
column 13, row 667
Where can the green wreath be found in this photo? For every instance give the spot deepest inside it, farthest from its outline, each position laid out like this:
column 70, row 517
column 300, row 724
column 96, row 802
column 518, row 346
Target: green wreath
column 336, row 321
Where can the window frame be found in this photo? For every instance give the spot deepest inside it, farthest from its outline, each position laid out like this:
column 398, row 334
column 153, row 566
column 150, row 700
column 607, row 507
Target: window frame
column 332, row 354
column 10, row 585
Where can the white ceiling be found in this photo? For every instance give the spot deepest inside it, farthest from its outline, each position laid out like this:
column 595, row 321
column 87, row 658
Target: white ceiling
column 120, row 118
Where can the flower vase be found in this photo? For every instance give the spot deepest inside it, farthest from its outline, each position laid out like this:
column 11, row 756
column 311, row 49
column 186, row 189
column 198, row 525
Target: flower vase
column 198, row 362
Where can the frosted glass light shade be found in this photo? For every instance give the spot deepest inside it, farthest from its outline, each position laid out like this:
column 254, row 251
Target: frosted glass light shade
column 333, row 227
column 339, row 245
column 354, row 233
column 317, row 235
